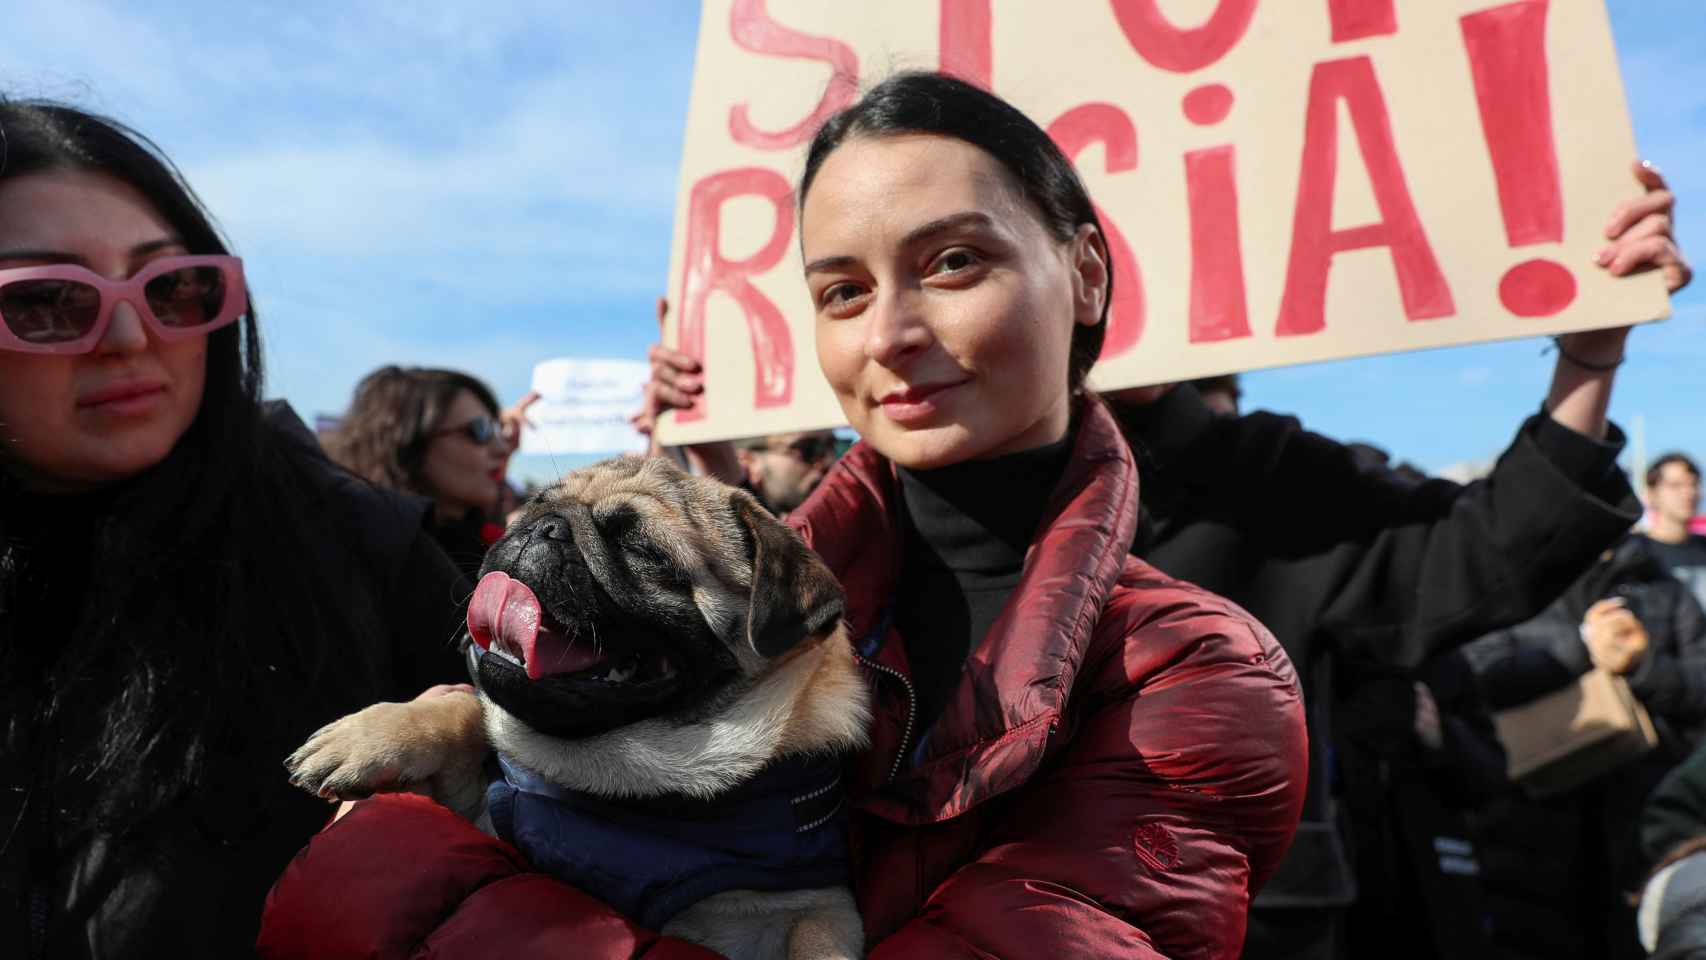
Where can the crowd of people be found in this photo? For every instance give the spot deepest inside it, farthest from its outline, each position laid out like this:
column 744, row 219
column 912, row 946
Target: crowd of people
column 1151, row 675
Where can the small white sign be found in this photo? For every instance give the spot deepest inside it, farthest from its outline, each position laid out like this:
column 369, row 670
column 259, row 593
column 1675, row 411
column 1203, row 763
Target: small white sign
column 584, row 406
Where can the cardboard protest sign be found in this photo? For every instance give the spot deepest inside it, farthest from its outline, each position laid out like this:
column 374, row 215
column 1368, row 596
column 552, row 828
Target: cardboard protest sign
column 1280, row 181
column 583, row 407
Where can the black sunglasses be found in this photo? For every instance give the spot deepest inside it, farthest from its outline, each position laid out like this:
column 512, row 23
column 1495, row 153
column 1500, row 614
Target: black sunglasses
column 481, row 430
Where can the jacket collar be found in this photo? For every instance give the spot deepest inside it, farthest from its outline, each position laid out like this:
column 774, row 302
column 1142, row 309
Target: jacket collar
column 994, row 732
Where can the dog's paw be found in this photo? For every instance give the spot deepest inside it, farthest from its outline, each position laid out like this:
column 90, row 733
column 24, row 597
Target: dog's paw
column 357, row 756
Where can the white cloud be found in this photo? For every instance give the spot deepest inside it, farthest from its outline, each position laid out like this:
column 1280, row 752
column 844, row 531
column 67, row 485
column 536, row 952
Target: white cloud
column 97, row 54
column 448, row 185
column 524, row 183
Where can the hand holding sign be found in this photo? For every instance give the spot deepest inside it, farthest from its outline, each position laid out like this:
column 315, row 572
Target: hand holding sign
column 676, row 384
column 579, row 406
column 1641, row 233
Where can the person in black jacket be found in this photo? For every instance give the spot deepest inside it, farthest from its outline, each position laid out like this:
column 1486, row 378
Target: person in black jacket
column 188, row 587
column 1413, row 760
column 1628, row 591
column 1675, row 813
column 1560, row 868
column 1339, row 560
column 1671, row 918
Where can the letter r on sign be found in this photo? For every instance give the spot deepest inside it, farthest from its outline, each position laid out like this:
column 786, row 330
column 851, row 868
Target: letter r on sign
column 708, row 271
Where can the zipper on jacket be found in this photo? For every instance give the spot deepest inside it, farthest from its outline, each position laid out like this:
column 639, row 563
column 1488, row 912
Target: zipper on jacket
column 911, row 712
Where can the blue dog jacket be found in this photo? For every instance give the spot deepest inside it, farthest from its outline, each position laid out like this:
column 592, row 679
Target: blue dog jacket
column 652, row 858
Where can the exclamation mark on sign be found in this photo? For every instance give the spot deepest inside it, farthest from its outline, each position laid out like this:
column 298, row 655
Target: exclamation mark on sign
column 1507, row 57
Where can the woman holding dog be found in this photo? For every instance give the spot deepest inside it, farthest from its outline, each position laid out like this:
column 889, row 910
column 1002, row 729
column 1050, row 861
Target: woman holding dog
column 187, row 586
column 1072, row 753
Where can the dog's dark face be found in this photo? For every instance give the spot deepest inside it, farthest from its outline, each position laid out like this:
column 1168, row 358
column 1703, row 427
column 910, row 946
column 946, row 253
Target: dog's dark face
column 632, row 590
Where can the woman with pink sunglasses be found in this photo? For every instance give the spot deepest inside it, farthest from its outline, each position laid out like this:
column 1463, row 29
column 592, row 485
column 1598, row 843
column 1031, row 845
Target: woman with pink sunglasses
column 187, row 586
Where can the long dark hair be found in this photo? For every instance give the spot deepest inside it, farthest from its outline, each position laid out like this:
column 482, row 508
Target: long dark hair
column 935, row 103
column 185, row 572
column 391, row 421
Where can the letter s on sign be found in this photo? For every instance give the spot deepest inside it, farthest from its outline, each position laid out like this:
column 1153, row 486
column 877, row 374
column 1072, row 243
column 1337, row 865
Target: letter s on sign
column 751, row 27
column 706, row 272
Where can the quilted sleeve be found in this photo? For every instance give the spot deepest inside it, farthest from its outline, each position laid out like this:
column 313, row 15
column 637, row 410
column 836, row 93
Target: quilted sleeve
column 402, row 877
column 1172, row 804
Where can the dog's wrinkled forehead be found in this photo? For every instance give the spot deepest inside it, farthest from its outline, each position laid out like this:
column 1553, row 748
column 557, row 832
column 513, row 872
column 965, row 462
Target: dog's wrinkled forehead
column 691, row 518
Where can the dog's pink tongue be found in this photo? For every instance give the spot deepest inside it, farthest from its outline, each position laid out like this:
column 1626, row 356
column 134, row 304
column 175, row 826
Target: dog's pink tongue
column 505, row 612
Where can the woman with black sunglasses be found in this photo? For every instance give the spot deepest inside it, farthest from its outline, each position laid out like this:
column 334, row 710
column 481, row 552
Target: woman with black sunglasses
column 188, row 587
column 436, row 434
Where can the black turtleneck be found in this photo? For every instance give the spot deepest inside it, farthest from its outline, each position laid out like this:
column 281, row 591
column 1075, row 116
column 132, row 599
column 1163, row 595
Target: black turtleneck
column 967, row 528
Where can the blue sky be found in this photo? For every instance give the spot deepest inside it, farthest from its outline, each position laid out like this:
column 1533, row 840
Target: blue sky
column 484, row 186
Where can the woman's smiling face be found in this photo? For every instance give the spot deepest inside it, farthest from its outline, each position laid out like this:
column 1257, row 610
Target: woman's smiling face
column 945, row 308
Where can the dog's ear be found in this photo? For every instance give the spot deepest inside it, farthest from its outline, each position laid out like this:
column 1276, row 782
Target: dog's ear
column 794, row 595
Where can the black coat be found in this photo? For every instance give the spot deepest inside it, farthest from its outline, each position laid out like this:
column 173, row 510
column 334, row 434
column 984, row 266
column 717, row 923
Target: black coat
column 1558, row 870
column 1413, row 848
column 1341, row 561
column 1546, row 653
column 1676, row 811
column 193, row 878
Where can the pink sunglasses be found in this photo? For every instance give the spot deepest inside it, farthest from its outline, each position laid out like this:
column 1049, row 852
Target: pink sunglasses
column 64, row 308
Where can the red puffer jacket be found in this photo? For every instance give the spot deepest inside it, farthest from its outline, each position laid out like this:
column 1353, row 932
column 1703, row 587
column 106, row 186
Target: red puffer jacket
column 1121, row 767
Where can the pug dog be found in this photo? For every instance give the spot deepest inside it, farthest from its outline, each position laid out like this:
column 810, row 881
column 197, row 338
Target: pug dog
column 666, row 687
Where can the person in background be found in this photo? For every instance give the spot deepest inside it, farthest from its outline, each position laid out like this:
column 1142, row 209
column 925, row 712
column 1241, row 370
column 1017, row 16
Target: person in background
column 1376, row 460
column 1071, row 753
column 783, row 469
column 1340, row 561
column 1558, row 870
column 436, row 434
column 1221, row 394
column 1412, row 759
column 1671, row 914
column 1673, row 498
column 188, row 587
column 1670, row 918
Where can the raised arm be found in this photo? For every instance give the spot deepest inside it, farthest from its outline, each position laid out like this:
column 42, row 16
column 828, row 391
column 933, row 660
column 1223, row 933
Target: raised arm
column 1638, row 239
